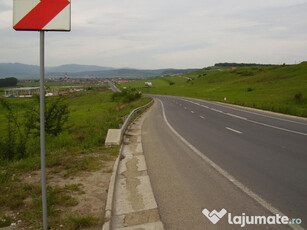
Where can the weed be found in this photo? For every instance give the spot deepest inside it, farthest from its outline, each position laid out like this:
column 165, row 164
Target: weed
column 5, row 177
column 12, row 195
column 74, row 188
column 79, row 222
column 56, row 197
column 53, row 160
column 88, row 164
column 298, row 96
column 27, row 164
column 80, row 137
column 5, row 221
column 27, row 187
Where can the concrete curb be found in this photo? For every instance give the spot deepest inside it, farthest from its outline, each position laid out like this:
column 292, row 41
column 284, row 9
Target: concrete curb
column 111, row 192
column 135, row 206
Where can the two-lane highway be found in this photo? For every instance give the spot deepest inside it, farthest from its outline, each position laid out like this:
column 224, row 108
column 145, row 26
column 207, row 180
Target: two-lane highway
column 260, row 157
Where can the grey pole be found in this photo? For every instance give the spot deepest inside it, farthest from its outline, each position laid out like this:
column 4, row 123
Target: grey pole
column 42, row 126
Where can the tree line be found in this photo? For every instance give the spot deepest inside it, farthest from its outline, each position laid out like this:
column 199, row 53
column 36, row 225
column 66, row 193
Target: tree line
column 226, row 64
column 6, row 82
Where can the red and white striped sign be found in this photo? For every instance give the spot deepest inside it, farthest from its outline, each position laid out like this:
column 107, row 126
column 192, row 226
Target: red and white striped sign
column 42, row 15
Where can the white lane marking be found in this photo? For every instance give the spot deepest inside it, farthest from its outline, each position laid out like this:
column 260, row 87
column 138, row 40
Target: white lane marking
column 205, row 106
column 192, row 111
column 185, row 107
column 245, row 111
column 216, row 110
column 224, row 173
column 275, row 127
column 239, row 117
column 202, row 117
column 233, row 130
column 259, row 123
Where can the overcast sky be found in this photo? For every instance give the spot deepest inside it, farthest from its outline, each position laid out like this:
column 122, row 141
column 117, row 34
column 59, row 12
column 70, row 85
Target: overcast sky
column 152, row 34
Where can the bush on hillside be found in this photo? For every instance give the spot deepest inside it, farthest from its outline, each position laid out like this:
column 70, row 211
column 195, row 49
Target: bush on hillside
column 298, row 96
column 20, row 130
column 125, row 96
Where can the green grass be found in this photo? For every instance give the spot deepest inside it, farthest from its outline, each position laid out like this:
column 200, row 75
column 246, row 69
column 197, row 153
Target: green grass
column 57, row 199
column 5, row 221
column 92, row 113
column 79, row 222
column 276, row 88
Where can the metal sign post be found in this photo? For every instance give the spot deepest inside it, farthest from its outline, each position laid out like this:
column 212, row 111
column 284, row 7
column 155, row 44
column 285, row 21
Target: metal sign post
column 42, row 15
column 42, row 127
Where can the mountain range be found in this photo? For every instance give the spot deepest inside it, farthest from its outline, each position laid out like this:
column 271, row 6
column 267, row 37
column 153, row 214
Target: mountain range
column 23, row 71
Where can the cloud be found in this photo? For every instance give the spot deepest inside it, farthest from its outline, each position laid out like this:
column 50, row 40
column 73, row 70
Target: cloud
column 166, row 33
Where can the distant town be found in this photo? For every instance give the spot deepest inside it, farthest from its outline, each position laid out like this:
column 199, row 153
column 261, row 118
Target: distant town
column 56, row 86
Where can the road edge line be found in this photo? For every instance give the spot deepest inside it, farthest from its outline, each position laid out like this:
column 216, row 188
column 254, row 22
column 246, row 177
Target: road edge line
column 252, row 121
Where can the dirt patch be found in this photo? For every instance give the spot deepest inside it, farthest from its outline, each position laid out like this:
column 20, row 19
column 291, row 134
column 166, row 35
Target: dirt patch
column 80, row 195
column 93, row 188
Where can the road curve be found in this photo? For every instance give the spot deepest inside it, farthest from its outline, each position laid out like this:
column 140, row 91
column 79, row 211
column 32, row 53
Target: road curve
column 262, row 152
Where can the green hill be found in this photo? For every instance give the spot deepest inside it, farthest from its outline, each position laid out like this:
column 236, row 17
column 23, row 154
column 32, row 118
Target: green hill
column 276, row 88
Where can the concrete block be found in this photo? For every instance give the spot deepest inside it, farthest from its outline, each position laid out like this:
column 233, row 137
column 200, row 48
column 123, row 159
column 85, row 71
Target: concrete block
column 113, row 137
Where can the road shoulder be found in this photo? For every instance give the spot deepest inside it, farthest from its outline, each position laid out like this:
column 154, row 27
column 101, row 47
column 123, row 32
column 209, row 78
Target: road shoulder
column 135, row 206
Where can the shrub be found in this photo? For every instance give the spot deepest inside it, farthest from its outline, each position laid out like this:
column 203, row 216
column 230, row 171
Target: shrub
column 5, row 221
column 13, row 143
column 298, row 96
column 125, row 96
column 56, row 115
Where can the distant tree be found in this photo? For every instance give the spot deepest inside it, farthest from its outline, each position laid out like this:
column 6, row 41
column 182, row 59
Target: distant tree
column 226, row 64
column 6, row 82
column 125, row 96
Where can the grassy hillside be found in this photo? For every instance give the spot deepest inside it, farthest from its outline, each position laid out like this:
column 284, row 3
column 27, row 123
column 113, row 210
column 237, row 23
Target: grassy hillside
column 276, row 88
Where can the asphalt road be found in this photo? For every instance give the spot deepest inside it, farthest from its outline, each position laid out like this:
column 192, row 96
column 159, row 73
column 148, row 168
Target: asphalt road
column 243, row 160
column 113, row 87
